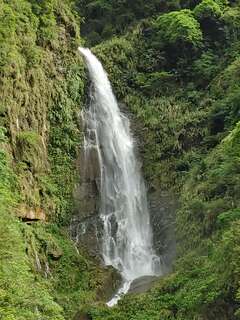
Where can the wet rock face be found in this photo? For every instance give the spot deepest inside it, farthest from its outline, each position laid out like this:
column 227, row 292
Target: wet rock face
column 86, row 232
column 163, row 206
column 86, row 224
column 112, row 281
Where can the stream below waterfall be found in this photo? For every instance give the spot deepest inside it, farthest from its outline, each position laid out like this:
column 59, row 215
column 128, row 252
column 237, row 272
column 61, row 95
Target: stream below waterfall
column 127, row 243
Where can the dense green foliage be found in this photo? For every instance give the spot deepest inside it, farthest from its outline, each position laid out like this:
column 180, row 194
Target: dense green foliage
column 42, row 275
column 178, row 27
column 104, row 18
column 175, row 65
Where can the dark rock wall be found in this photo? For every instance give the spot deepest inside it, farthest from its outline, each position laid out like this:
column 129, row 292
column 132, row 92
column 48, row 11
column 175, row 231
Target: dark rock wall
column 86, row 222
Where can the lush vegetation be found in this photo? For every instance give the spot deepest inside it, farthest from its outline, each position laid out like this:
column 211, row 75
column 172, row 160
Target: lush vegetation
column 176, row 66
column 177, row 73
column 42, row 274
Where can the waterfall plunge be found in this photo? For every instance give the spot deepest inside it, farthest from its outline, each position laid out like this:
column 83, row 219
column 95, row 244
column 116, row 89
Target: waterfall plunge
column 127, row 234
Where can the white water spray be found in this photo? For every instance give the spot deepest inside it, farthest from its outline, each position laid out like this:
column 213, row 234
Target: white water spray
column 127, row 234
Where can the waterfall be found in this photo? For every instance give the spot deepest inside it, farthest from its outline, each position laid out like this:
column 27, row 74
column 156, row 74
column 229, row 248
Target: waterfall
column 127, row 234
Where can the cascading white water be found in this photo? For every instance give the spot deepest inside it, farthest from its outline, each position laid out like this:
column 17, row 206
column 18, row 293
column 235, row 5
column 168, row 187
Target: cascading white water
column 127, row 234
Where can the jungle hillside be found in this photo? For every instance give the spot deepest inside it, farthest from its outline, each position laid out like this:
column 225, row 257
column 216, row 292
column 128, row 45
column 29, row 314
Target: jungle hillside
column 174, row 67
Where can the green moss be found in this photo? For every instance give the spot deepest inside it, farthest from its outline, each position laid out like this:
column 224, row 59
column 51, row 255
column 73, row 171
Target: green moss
column 21, row 295
column 42, row 80
column 9, row 181
column 72, row 278
column 42, row 274
column 29, row 138
column 42, row 91
column 31, row 151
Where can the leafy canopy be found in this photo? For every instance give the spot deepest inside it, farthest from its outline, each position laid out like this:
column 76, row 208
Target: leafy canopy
column 179, row 26
column 208, row 8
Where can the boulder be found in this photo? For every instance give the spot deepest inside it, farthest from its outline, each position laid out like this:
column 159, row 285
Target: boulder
column 142, row 284
column 112, row 280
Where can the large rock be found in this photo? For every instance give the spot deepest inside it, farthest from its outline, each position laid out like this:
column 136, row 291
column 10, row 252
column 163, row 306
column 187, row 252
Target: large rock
column 111, row 282
column 142, row 284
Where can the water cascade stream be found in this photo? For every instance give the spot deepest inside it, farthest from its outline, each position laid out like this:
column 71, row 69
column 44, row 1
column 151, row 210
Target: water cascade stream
column 127, row 234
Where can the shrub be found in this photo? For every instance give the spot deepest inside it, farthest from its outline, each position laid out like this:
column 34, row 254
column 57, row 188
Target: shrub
column 178, row 27
column 231, row 18
column 205, row 67
column 207, row 9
